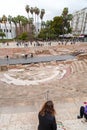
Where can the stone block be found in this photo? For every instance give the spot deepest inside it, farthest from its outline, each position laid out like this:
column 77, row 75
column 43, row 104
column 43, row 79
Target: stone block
column 4, row 68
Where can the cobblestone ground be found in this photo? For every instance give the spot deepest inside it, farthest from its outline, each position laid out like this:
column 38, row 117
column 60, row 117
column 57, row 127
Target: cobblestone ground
column 20, row 104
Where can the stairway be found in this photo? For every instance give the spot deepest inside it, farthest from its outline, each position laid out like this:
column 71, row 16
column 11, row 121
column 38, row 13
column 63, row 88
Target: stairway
column 79, row 66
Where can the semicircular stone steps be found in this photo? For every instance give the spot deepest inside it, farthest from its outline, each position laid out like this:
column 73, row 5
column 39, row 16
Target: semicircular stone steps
column 79, row 66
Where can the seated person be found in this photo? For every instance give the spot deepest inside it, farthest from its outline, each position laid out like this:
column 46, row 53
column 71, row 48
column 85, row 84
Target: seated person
column 83, row 111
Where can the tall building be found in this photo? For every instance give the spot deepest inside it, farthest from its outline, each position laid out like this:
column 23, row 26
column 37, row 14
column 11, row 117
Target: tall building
column 79, row 22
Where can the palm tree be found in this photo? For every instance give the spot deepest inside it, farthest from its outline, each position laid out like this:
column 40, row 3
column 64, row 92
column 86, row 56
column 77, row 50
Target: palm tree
column 19, row 22
column 41, row 15
column 4, row 20
column 27, row 10
column 24, row 21
column 10, row 22
column 66, row 20
column 32, row 11
column 14, row 20
column 37, row 13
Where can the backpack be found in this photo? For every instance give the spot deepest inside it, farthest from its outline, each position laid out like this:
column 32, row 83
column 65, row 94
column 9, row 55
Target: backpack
column 85, row 109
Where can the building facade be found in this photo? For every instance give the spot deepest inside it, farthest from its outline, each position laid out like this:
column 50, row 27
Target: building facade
column 9, row 30
column 79, row 23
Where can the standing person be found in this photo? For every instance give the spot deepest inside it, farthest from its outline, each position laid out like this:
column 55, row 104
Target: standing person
column 26, row 55
column 7, row 57
column 46, row 117
column 83, row 111
column 31, row 55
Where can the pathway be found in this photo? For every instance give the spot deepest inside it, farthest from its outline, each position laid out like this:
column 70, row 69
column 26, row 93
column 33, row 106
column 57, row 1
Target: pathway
column 35, row 59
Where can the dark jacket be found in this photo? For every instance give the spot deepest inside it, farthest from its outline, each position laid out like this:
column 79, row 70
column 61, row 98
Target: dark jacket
column 47, row 122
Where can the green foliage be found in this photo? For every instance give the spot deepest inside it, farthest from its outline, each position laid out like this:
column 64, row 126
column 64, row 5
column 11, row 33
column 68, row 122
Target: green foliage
column 47, row 34
column 43, row 34
column 23, row 36
column 2, row 34
column 58, row 26
column 66, row 21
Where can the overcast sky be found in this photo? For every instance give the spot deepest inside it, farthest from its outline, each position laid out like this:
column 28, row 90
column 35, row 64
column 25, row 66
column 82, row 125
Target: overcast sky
column 52, row 7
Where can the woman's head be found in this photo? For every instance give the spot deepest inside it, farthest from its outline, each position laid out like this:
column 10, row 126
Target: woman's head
column 48, row 107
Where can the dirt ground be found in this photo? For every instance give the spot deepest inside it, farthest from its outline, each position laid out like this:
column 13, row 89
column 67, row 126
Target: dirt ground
column 72, row 85
column 24, row 88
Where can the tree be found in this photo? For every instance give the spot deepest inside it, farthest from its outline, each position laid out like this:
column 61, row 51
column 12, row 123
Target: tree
column 66, row 21
column 32, row 11
column 2, row 34
column 19, row 22
column 14, row 20
column 27, row 10
column 41, row 15
column 24, row 22
column 4, row 20
column 47, row 32
column 57, row 25
column 35, row 11
column 23, row 36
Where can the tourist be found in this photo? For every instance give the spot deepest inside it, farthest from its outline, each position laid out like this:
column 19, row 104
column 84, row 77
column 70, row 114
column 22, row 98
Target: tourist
column 26, row 55
column 46, row 117
column 31, row 55
column 7, row 44
column 7, row 57
column 83, row 111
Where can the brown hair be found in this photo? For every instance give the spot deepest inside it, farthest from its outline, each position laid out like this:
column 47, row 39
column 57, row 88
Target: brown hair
column 47, row 107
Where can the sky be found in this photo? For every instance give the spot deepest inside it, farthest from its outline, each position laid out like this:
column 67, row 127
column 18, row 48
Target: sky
column 52, row 7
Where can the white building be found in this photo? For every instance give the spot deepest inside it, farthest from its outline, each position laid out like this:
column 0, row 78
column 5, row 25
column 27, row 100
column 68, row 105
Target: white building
column 79, row 22
column 10, row 31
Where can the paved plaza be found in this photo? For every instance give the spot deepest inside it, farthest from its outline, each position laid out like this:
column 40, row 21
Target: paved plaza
column 24, row 89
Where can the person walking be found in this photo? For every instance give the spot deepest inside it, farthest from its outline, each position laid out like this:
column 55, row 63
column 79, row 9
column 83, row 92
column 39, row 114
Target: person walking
column 46, row 117
column 7, row 57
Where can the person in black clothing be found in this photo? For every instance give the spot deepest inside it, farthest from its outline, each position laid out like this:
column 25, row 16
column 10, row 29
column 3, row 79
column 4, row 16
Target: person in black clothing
column 7, row 57
column 26, row 56
column 83, row 111
column 46, row 117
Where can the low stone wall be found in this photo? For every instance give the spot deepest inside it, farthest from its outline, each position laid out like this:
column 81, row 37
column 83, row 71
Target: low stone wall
column 4, row 68
column 82, row 56
column 12, row 52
